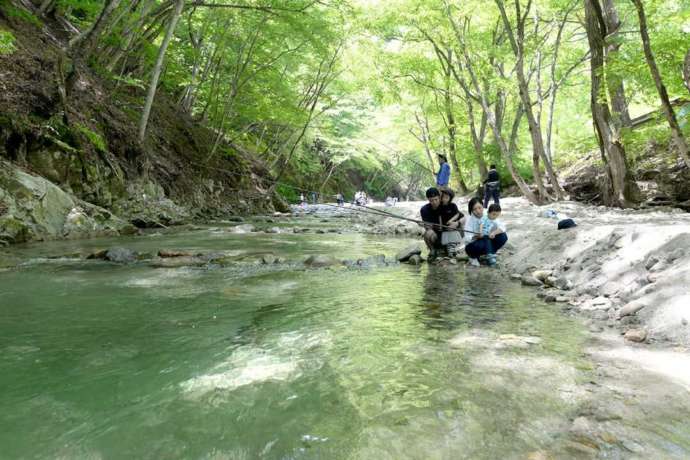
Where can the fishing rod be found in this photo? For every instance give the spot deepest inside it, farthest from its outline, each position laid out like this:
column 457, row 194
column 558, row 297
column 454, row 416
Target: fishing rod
column 426, row 168
column 382, row 213
column 409, row 219
column 374, row 211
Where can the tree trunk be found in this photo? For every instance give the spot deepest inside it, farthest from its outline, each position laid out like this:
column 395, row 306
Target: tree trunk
column 663, row 94
column 686, row 70
column 46, row 6
column 505, row 151
column 425, row 139
column 450, row 125
column 608, row 136
column 477, row 136
column 517, row 44
column 491, row 119
column 157, row 70
column 619, row 102
column 82, row 45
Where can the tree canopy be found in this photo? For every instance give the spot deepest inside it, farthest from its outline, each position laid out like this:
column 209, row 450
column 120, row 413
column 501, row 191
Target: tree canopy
column 339, row 95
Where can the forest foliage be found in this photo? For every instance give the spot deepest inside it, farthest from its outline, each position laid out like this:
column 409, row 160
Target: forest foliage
column 339, row 95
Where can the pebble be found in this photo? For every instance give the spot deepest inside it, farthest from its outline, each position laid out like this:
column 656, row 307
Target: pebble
column 529, row 280
column 651, row 261
column 632, row 446
column 636, row 335
column 542, row 275
column 631, row 308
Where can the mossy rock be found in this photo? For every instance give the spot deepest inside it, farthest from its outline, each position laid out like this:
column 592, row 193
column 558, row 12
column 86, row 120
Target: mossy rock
column 14, row 230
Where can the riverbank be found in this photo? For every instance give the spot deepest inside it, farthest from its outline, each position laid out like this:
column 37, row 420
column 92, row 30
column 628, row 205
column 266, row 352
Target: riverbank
column 75, row 169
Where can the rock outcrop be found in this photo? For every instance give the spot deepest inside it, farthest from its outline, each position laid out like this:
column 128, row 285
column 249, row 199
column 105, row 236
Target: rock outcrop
column 33, row 208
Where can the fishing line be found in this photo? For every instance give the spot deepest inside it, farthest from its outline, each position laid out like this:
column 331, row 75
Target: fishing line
column 356, row 207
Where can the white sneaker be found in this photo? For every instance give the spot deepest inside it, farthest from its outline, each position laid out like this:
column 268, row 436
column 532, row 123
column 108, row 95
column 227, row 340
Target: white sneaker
column 474, row 263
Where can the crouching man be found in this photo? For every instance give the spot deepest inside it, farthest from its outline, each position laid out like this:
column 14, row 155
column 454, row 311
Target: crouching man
column 431, row 215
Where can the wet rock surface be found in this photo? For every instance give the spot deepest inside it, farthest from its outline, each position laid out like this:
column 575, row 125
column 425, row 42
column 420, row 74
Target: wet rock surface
column 120, row 255
column 33, row 208
column 405, row 254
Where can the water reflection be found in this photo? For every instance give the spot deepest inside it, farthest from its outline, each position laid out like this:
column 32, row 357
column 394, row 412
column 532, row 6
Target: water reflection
column 458, row 297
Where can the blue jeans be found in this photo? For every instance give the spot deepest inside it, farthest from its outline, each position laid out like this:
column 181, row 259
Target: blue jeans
column 486, row 246
column 490, row 192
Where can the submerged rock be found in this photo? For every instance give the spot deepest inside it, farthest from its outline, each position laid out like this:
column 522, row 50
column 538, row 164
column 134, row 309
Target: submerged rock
column 176, row 262
column 173, row 253
column 321, row 260
column 243, row 228
column 415, row 259
column 100, row 254
column 269, row 259
column 121, row 255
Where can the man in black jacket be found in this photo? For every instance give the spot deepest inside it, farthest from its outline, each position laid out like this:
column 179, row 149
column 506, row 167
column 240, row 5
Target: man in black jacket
column 492, row 186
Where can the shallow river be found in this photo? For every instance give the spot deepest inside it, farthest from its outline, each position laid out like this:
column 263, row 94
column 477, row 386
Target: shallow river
column 252, row 361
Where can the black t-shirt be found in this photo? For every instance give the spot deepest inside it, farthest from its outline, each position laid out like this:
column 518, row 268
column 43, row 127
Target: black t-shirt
column 448, row 211
column 430, row 214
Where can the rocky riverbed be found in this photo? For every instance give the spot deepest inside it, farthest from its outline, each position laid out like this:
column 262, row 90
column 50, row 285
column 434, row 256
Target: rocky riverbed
column 561, row 389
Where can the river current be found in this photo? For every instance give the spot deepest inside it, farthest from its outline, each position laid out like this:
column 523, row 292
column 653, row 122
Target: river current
column 100, row 360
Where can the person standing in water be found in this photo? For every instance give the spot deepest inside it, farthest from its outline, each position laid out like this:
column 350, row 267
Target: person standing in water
column 492, row 186
column 443, row 175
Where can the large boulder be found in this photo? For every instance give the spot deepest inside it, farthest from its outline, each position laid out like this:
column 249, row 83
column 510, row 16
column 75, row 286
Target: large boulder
column 33, row 208
column 146, row 206
column 405, row 254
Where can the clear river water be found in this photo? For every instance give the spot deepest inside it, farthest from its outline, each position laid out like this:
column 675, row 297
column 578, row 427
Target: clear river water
column 100, row 360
